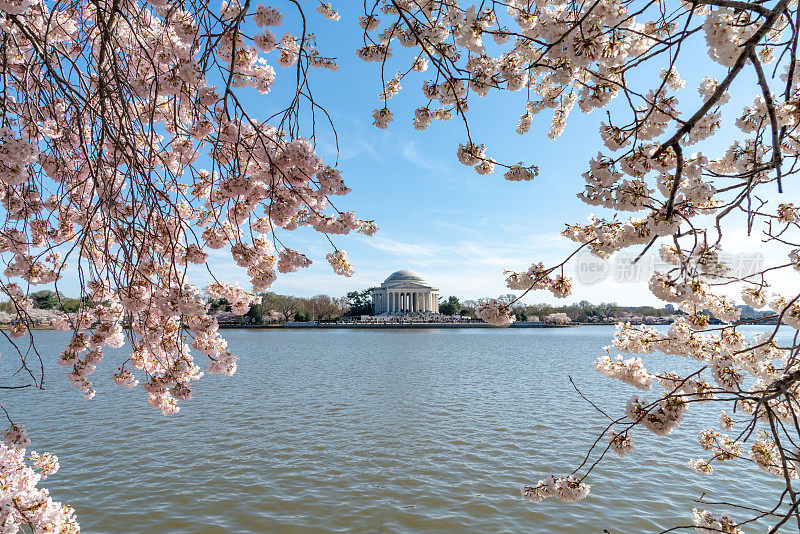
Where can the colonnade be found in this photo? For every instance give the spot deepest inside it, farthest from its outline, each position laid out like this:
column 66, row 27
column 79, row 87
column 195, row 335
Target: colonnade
column 404, row 301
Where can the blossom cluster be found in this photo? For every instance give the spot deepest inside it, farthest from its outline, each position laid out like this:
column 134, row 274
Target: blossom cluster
column 536, row 277
column 706, row 523
column 340, row 263
column 621, row 444
column 567, row 488
column 495, row 312
column 630, row 371
column 764, row 452
column 22, row 503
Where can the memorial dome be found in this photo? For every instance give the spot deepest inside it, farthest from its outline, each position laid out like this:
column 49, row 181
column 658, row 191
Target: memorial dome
column 404, row 275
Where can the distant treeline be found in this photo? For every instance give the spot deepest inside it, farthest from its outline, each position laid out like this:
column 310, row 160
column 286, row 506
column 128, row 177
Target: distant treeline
column 50, row 300
column 583, row 311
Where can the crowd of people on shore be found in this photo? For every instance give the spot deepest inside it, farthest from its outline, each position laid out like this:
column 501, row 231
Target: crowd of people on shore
column 410, row 318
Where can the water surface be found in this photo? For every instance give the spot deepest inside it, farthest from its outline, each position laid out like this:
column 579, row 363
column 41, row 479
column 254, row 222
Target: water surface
column 368, row 431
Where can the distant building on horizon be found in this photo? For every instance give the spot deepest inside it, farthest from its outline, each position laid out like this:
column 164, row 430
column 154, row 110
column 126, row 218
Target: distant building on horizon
column 405, row 292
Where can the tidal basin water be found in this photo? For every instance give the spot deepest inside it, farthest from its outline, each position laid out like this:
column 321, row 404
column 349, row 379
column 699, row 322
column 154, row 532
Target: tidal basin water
column 369, row 431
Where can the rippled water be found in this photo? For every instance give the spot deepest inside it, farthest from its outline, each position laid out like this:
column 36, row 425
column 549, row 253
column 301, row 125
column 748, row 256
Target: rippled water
column 368, row 431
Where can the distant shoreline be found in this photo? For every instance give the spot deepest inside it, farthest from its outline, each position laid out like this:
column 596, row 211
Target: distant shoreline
column 421, row 325
column 373, row 326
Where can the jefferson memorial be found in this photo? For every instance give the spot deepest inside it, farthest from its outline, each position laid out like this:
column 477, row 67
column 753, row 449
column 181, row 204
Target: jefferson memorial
column 405, row 292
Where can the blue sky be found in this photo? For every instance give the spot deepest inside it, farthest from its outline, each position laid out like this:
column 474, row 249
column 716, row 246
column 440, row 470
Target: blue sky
column 456, row 228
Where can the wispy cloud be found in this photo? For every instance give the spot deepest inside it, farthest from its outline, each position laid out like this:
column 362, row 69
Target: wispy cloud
column 412, row 155
column 399, row 248
column 357, row 146
column 353, row 147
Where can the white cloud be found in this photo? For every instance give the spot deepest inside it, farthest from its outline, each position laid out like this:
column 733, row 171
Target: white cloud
column 411, row 154
column 399, row 248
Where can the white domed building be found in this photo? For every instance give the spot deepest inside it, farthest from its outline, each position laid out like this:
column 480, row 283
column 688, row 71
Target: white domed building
column 405, row 292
